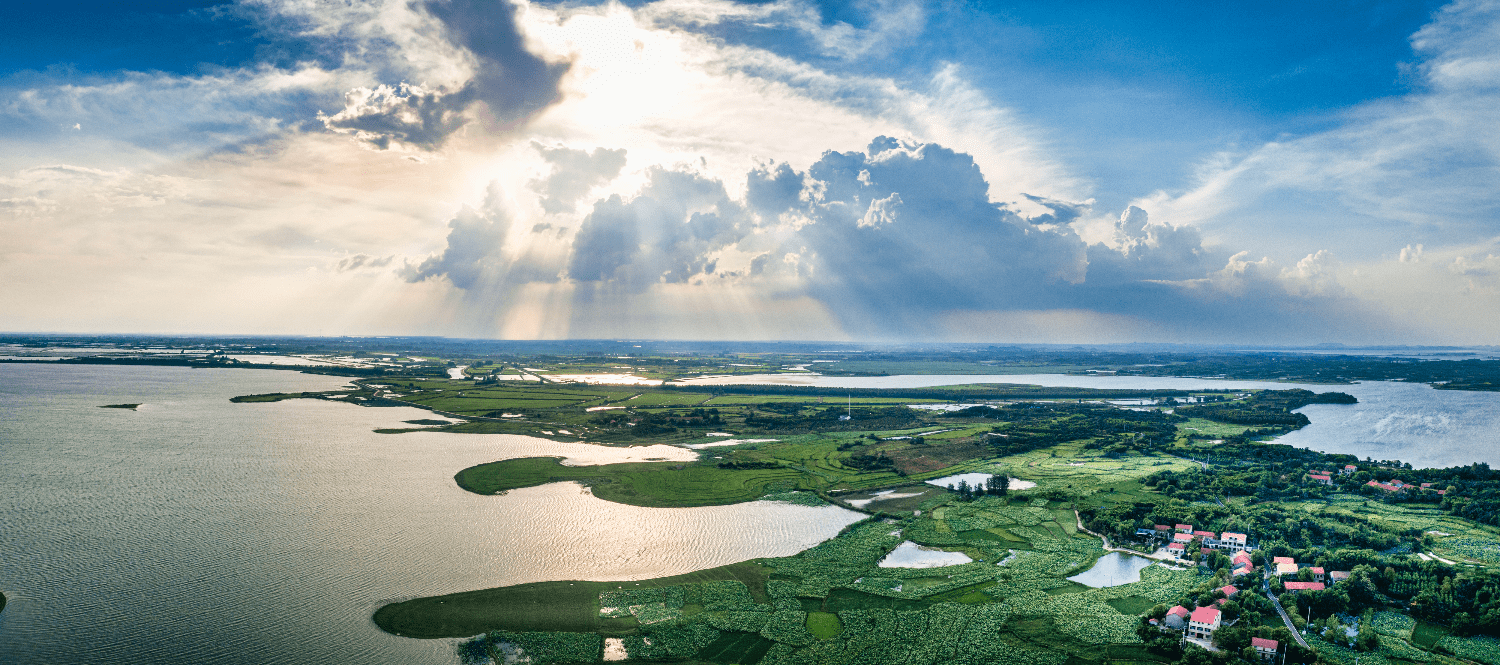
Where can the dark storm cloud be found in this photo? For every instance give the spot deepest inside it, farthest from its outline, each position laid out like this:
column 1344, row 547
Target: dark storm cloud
column 574, row 173
column 509, row 82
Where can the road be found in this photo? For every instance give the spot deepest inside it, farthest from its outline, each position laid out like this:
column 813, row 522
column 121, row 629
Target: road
column 1286, row 619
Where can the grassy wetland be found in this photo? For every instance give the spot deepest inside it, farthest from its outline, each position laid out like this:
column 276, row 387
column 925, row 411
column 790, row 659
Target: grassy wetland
column 1097, row 468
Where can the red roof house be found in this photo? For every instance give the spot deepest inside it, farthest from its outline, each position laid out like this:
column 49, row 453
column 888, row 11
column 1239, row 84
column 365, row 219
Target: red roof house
column 1304, row 586
column 1203, row 622
column 1283, row 559
column 1229, row 591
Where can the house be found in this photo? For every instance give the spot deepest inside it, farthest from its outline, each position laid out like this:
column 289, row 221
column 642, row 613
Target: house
column 1203, row 622
column 1283, row 559
column 1177, row 549
column 1205, row 551
column 1177, row 617
column 1184, row 528
column 1265, row 648
column 1348, row 470
column 1145, row 533
column 1229, row 591
column 1320, row 478
column 1163, row 527
column 1240, row 557
column 1317, row 573
column 1304, row 586
column 1286, row 569
column 1183, row 538
column 1205, row 536
column 1393, row 486
column 1338, row 576
column 1229, row 541
column 1243, row 570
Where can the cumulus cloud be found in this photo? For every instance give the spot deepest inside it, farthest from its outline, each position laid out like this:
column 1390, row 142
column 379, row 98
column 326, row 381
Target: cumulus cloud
column 507, row 83
column 574, row 173
column 667, row 234
column 890, row 240
column 476, row 240
column 402, row 114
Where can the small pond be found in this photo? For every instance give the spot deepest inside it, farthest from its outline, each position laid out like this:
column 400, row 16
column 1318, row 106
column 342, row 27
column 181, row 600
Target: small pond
column 912, row 555
column 978, row 480
column 882, row 495
column 1113, row 569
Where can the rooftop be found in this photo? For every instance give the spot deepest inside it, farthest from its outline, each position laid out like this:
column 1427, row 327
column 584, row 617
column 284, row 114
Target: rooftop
column 1205, row 615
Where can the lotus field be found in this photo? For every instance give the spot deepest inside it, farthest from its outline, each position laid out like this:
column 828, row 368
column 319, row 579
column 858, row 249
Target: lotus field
column 1021, row 612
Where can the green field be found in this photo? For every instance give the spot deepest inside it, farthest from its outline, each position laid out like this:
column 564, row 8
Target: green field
column 833, row 604
column 655, row 484
column 570, row 606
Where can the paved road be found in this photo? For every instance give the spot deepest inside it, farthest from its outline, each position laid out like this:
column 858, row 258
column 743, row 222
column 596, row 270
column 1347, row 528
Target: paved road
column 1287, row 619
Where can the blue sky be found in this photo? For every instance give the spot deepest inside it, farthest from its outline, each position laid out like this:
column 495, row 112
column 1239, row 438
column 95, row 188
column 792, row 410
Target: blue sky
column 1280, row 172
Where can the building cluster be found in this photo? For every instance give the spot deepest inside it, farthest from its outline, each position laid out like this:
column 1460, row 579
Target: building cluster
column 1285, row 566
column 1180, row 538
column 1199, row 623
column 1395, row 485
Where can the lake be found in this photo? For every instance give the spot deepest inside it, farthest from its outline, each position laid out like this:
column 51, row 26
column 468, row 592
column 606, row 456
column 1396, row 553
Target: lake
column 1412, row 422
column 199, row 531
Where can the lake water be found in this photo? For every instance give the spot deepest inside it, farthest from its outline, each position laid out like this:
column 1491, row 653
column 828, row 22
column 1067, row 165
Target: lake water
column 1411, row 422
column 1113, row 569
column 912, row 555
column 199, row 531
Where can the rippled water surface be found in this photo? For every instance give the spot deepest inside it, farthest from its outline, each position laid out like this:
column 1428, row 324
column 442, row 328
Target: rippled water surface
column 199, row 531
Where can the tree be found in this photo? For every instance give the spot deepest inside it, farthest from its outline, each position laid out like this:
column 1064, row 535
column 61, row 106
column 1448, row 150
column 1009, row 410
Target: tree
column 998, row 484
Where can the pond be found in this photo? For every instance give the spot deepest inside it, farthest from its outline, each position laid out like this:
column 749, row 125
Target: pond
column 912, row 555
column 1113, row 569
column 978, row 480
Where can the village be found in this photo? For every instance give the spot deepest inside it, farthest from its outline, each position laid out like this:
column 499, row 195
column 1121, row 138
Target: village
column 1199, row 625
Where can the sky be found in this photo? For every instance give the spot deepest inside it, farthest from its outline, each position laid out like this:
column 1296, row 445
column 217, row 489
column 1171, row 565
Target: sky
column 879, row 171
